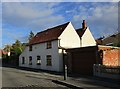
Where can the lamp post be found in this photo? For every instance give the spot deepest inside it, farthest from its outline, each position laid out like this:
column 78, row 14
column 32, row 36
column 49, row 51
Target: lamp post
column 64, row 64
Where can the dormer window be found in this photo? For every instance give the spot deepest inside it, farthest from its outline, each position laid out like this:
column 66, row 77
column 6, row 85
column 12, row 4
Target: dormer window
column 30, row 48
column 49, row 44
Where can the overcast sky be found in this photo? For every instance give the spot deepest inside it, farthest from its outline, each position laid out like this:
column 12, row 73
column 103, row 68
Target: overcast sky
column 19, row 18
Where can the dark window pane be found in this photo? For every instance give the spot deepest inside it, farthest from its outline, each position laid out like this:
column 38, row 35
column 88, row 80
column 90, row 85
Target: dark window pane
column 23, row 60
column 49, row 45
column 49, row 60
column 30, row 48
column 30, row 60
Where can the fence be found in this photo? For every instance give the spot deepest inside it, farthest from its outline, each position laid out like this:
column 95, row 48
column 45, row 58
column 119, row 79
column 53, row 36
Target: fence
column 106, row 71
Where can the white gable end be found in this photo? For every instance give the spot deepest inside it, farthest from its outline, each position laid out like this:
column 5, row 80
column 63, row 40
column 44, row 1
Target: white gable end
column 69, row 38
column 88, row 39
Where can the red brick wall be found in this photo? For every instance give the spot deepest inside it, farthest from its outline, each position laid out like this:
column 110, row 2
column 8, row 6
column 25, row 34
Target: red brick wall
column 111, row 56
column 81, row 60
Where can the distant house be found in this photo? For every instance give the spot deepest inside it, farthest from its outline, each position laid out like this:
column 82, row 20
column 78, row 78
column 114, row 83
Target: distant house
column 45, row 49
column 2, row 52
column 111, row 40
column 99, row 41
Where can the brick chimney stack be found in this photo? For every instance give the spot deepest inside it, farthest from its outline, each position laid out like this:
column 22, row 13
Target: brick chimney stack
column 84, row 25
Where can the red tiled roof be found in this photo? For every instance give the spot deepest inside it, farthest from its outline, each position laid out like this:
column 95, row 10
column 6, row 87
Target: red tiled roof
column 80, row 31
column 48, row 35
column 99, row 41
column 112, row 39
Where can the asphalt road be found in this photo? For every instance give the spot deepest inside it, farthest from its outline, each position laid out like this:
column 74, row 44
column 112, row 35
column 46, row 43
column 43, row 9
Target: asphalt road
column 17, row 79
column 12, row 77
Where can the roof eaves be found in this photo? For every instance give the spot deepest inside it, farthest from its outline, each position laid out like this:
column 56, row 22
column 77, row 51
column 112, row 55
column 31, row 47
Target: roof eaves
column 40, row 42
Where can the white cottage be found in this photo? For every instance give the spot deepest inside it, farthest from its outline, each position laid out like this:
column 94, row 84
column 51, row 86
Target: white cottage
column 44, row 51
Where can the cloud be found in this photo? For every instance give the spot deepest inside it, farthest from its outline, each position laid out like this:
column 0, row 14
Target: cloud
column 19, row 18
column 46, row 23
column 10, row 36
column 60, row 0
column 0, row 25
column 69, row 11
column 102, row 18
column 22, row 14
column 0, row 38
column 14, row 34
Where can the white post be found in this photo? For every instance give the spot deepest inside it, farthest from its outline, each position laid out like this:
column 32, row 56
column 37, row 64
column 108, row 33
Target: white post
column 8, row 53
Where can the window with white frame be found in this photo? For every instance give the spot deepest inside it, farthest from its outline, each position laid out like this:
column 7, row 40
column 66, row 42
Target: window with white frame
column 38, row 60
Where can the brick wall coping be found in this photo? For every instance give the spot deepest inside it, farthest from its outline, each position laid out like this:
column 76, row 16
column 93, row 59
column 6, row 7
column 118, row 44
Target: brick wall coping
column 109, row 46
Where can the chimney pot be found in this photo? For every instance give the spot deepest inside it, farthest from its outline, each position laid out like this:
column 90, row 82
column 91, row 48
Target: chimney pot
column 84, row 24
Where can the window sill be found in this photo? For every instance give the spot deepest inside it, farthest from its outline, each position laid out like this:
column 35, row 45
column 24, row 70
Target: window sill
column 38, row 64
column 48, row 65
column 49, row 48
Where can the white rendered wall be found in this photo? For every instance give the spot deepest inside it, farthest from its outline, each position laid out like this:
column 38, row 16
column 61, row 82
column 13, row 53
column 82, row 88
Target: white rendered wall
column 88, row 39
column 69, row 38
column 40, row 49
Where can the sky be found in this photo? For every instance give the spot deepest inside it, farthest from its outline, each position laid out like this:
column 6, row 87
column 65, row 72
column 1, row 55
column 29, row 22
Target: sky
column 19, row 18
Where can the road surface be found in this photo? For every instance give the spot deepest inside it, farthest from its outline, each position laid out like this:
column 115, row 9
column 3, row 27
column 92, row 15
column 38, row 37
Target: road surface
column 12, row 77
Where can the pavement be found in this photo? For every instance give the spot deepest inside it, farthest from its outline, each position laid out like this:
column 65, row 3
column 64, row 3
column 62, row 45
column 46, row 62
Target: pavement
column 55, row 79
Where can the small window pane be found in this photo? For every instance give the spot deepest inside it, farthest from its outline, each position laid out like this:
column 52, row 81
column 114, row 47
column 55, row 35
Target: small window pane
column 30, row 48
column 49, row 45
